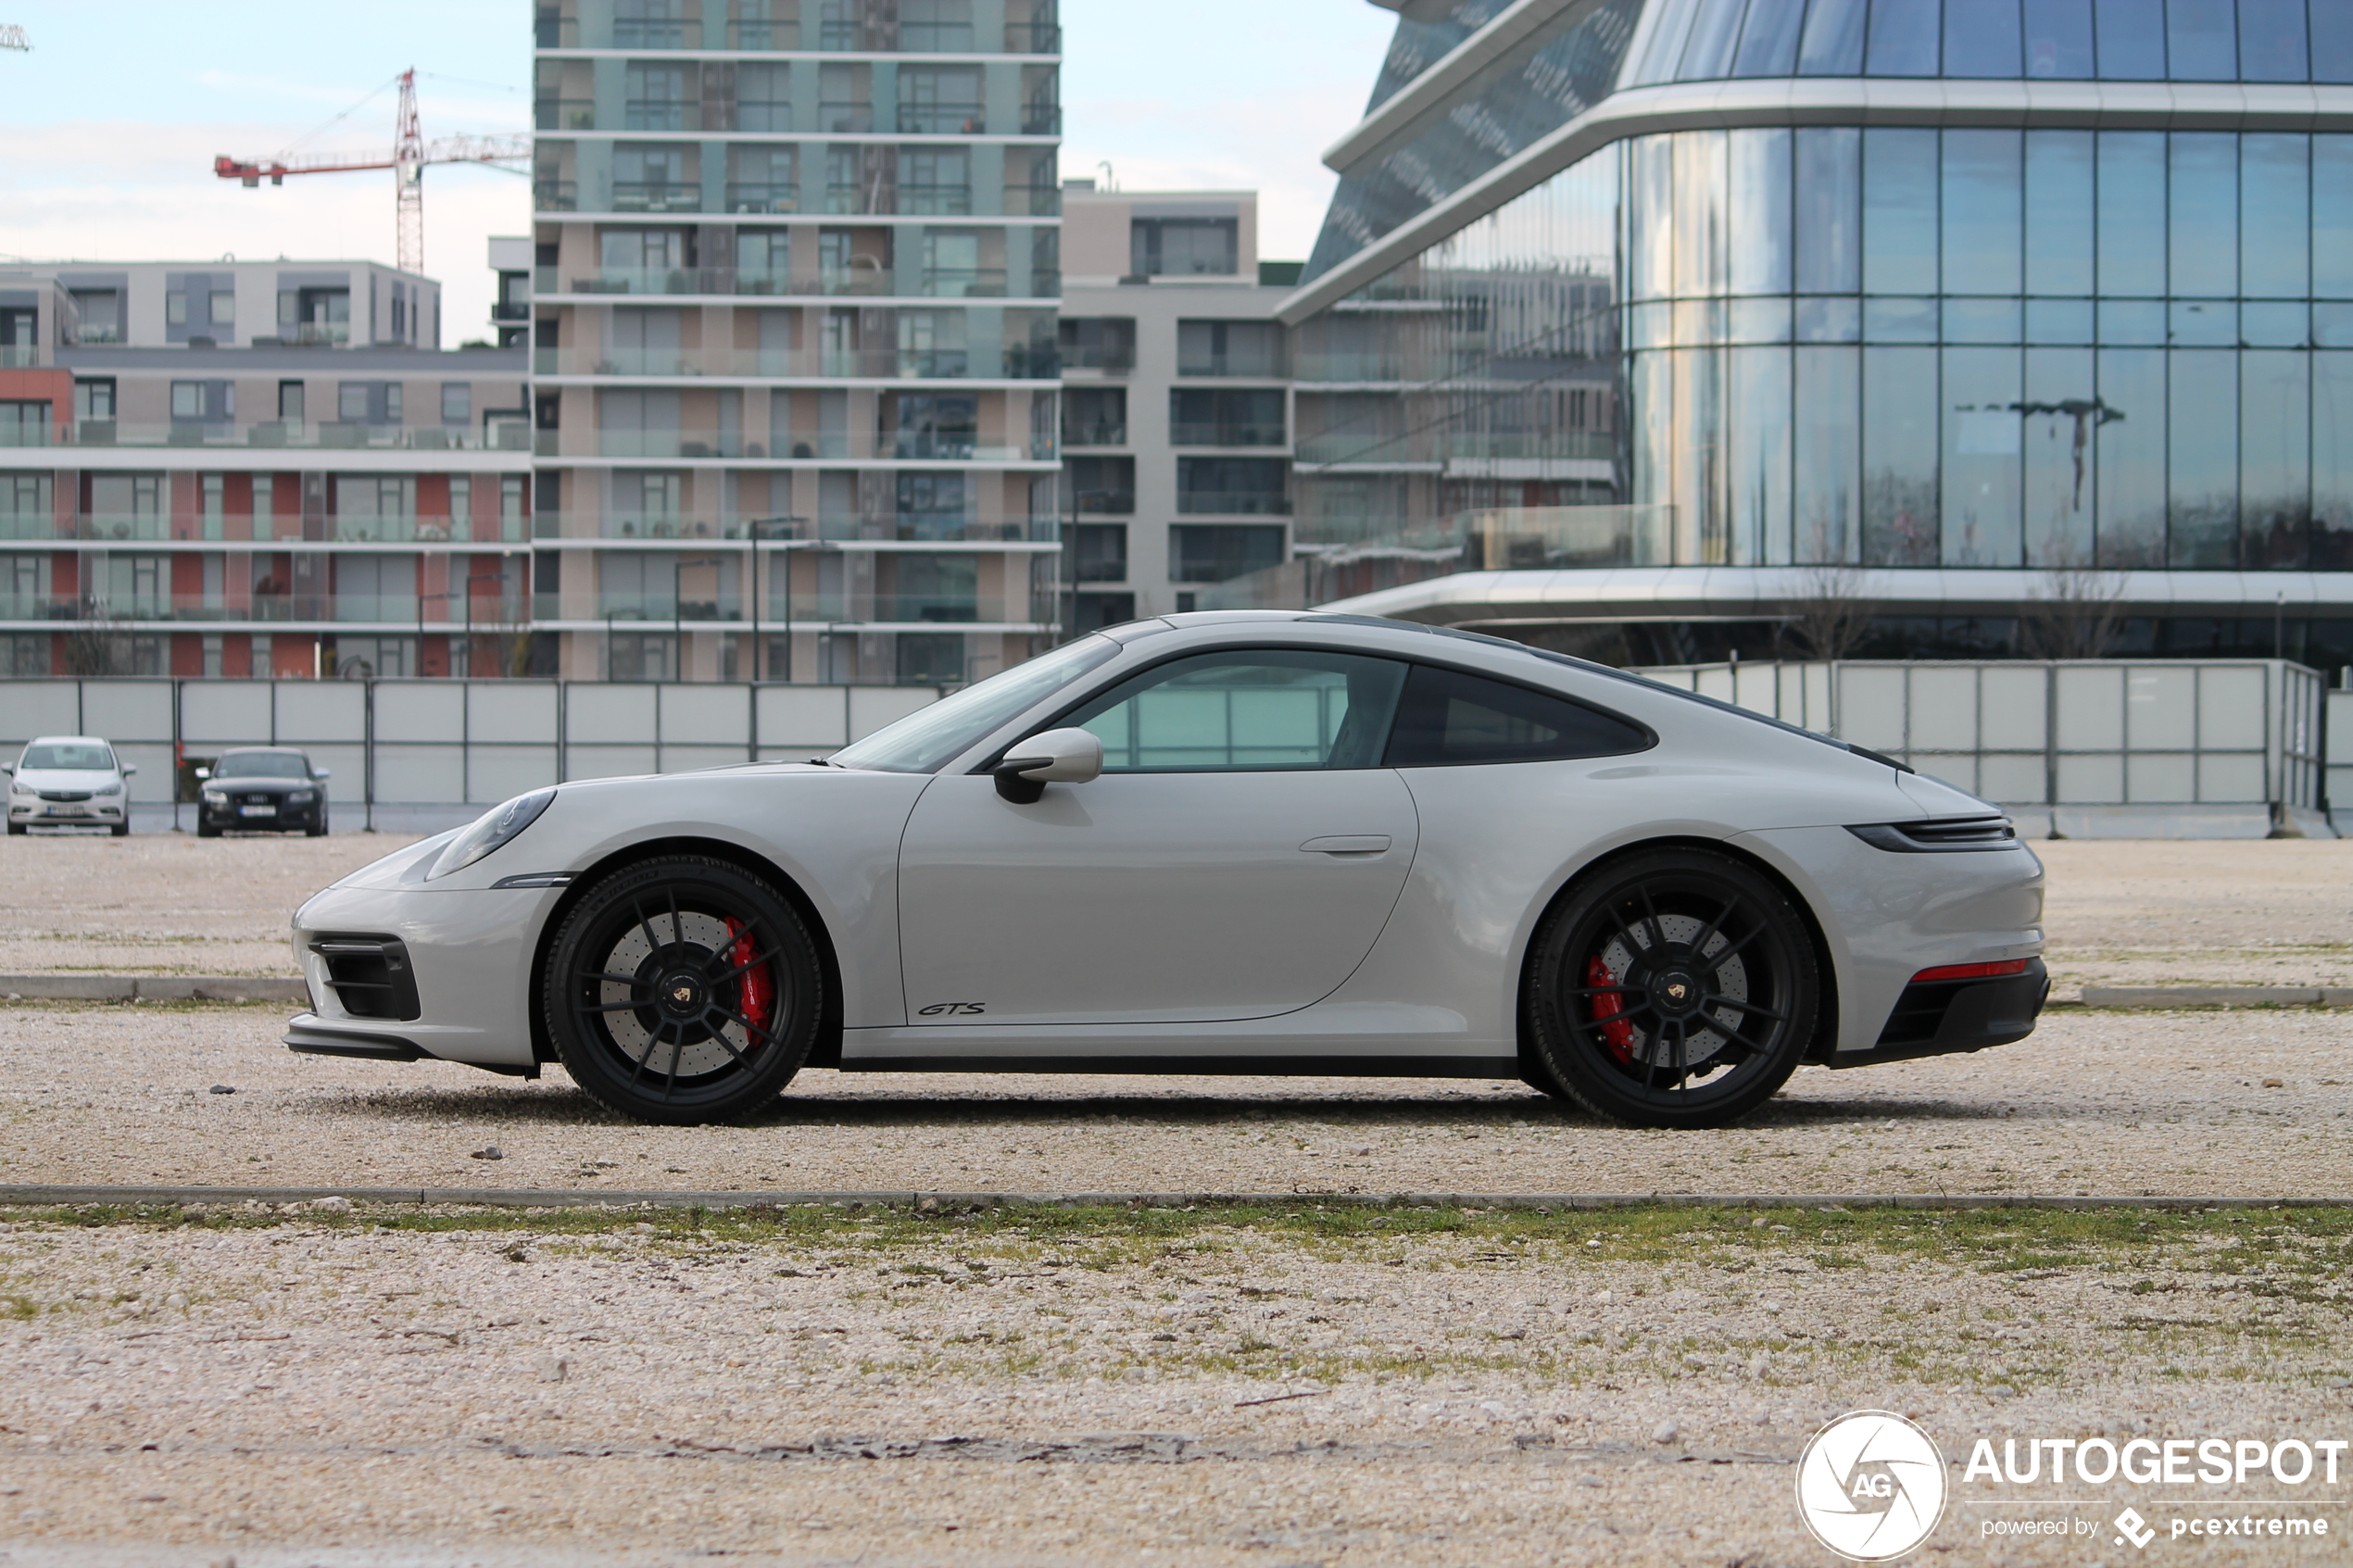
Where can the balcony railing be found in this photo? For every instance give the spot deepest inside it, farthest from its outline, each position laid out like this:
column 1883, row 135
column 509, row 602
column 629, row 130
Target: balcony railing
column 1233, row 503
column 763, row 35
column 655, row 195
column 1033, row 38
column 846, row 528
column 1118, row 503
column 1435, row 446
column 935, row 201
column 962, row 282
column 564, row 114
column 20, row 355
column 1032, row 201
column 936, row 38
column 658, row 114
column 768, row 196
column 1041, row 119
column 396, row 609
column 942, row 119
column 326, row 435
column 1225, row 434
column 846, row 118
column 658, row 610
column 510, row 310
column 555, row 195
column 1096, row 432
column 872, row 280
column 669, row 443
column 656, row 33
column 159, row 529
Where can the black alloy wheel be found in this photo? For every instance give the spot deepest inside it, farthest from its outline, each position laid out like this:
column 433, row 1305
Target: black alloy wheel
column 682, row 990
column 1671, row 988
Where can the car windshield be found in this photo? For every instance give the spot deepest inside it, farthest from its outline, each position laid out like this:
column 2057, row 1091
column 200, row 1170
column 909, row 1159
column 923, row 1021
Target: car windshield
column 70, row 755
column 261, row 765
column 924, row 740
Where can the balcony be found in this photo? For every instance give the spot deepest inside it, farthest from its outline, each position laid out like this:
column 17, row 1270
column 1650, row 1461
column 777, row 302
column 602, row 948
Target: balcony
column 563, row 114
column 1033, row 38
column 757, row 36
column 1225, row 436
column 748, row 197
column 268, row 610
column 649, row 32
column 1109, row 503
column 1096, row 432
column 510, row 310
column 660, row 114
column 555, row 195
column 669, row 443
column 326, row 435
column 655, row 195
column 1232, row 503
column 846, row 118
column 20, row 356
column 942, row 119
column 316, row 334
column 1032, row 201
column 848, row 529
column 935, row 201
column 1041, row 119
column 963, row 282
column 1441, row 446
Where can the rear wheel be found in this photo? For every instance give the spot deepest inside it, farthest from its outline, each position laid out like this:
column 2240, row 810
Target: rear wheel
column 1671, row 988
column 682, row 990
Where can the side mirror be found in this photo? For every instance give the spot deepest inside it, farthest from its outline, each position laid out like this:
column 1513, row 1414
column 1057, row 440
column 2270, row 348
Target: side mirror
column 1055, row 757
column 320, row 773
column 204, row 772
column 9, row 768
column 130, row 769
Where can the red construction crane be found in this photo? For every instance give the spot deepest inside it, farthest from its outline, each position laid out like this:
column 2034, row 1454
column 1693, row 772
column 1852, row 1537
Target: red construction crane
column 410, row 152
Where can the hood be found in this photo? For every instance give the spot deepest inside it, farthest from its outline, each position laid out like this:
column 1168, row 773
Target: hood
column 66, row 778
column 260, row 785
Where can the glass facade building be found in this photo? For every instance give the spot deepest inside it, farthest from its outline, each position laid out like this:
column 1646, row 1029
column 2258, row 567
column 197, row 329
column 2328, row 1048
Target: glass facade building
column 2072, row 292
column 795, row 336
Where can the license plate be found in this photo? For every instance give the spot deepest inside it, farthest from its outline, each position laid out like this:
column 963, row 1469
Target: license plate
column 257, row 810
column 69, row 810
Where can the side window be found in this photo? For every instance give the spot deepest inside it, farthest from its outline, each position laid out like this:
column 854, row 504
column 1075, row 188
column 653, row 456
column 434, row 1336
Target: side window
column 1262, row 710
column 1449, row 719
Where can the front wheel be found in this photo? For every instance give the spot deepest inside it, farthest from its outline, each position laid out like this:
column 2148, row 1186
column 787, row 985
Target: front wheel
column 682, row 990
column 1672, row 988
column 121, row 830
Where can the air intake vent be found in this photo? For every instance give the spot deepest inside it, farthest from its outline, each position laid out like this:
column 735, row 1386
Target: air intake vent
column 371, row 976
column 1952, row 833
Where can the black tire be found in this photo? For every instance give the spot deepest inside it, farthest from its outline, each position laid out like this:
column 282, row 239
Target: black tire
column 121, row 830
column 316, row 829
column 1671, row 988
column 207, row 830
column 678, row 928
column 15, row 828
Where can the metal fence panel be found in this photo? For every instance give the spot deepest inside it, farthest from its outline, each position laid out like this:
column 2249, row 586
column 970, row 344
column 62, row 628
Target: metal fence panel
column 1943, row 709
column 706, row 716
column 29, row 709
column 128, row 711
column 226, row 713
column 610, row 761
column 611, row 714
column 311, row 711
column 516, row 712
column 419, row 710
column 499, row 773
column 873, row 706
column 414, row 775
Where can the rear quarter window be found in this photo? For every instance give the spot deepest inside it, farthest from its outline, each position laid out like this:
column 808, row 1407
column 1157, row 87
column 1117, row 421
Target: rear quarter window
column 1448, row 719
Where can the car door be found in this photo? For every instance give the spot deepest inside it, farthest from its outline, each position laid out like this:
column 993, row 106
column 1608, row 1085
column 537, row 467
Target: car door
column 1235, row 859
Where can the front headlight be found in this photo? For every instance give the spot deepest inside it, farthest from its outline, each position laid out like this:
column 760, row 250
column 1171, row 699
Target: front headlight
column 216, row 796
column 298, row 797
column 492, row 829
column 108, row 789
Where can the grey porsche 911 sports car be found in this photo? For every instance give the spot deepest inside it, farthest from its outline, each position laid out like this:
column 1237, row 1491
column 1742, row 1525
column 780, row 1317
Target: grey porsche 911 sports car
column 1226, row 842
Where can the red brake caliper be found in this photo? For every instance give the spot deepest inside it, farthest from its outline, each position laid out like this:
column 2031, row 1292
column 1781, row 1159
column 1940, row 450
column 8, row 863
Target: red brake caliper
column 1606, row 1008
column 758, row 988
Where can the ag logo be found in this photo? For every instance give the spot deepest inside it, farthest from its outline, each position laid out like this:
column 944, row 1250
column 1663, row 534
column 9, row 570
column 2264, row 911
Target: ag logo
column 1871, row 1486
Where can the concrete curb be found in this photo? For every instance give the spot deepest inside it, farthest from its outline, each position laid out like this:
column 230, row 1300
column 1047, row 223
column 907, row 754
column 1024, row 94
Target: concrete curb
column 543, row 1197
column 2217, row 996
column 152, row 988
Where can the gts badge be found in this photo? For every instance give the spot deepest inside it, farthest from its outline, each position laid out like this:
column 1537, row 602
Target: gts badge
column 952, row 1009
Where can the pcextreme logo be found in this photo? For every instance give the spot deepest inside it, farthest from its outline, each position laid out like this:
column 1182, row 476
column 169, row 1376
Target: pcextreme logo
column 1871, row 1486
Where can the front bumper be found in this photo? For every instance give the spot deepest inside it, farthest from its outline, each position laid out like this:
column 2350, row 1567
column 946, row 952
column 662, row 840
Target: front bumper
column 469, row 952
column 74, row 814
column 234, row 818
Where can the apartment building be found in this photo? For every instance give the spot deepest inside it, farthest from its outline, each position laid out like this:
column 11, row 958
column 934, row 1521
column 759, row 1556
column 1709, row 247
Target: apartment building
column 1177, row 414
column 241, row 468
column 797, row 271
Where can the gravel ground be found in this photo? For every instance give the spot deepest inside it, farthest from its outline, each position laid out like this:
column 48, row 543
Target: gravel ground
column 1181, row 1390
column 2250, row 1103
column 2273, row 912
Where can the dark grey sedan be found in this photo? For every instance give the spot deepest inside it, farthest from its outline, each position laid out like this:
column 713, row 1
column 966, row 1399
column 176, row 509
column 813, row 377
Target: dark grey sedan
column 268, row 787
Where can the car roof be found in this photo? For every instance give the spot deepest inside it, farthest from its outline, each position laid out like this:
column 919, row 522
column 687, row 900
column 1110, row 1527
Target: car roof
column 288, row 750
column 70, row 740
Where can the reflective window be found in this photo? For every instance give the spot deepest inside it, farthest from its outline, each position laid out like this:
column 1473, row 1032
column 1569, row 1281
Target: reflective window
column 1262, row 708
column 2069, row 40
column 1451, row 720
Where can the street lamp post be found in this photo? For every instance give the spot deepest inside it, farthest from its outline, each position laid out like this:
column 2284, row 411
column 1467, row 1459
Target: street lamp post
column 753, row 529
column 678, row 613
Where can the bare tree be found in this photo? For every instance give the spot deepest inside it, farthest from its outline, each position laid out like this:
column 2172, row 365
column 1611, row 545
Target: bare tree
column 1832, row 608
column 95, row 647
column 2074, row 612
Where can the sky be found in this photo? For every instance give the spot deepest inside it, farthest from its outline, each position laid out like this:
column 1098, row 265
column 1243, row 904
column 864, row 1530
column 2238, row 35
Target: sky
column 111, row 123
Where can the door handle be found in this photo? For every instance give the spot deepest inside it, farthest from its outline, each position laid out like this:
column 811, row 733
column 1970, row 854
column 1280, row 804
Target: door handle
column 1348, row 843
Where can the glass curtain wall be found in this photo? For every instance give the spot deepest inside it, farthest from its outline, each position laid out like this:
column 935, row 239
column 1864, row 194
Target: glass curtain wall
column 2060, row 40
column 1890, row 346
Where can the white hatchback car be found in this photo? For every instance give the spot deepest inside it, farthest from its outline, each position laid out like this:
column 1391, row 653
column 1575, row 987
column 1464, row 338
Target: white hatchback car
column 69, row 781
column 1215, row 843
